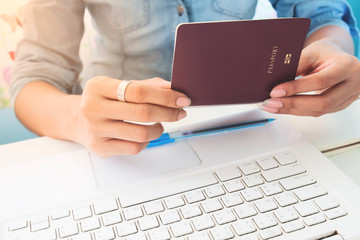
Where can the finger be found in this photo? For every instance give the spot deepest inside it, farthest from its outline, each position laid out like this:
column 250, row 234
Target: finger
column 329, row 76
column 302, row 112
column 142, row 93
column 346, row 103
column 112, row 147
column 139, row 112
column 156, row 82
column 277, row 106
column 150, row 92
column 315, row 105
column 130, row 131
column 298, row 112
column 323, row 102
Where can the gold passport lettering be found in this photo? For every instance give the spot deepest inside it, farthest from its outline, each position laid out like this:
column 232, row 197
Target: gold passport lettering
column 287, row 58
column 272, row 59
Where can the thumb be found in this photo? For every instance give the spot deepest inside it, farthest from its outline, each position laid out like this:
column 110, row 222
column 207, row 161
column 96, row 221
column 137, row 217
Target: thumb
column 307, row 62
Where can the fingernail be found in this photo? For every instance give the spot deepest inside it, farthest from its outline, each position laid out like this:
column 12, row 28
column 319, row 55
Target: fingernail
column 278, row 93
column 273, row 103
column 182, row 114
column 183, row 101
column 268, row 109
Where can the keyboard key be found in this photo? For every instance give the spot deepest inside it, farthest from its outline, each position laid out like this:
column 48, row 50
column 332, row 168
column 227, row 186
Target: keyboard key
column 199, row 236
column 306, row 209
column 133, row 212
column 228, row 173
column 309, row 192
column 40, row 226
column 111, row 218
column 234, row 185
column 249, row 168
column 60, row 214
column 39, row 219
column 267, row 163
column 181, row 229
column 270, row 233
column 90, row 224
column 174, row 201
column 214, row 191
column 326, row 203
column 251, row 194
column 106, row 233
column 282, row 172
column 265, row 221
column 194, row 196
column 243, row 227
column 253, row 180
column 170, row 216
column 48, row 234
column 314, row 219
column 17, row 225
column 126, row 228
column 335, row 237
column 211, row 205
column 265, row 205
column 271, row 189
column 297, row 181
column 335, row 213
column 68, row 229
column 221, row 233
column 285, row 158
column 249, row 237
column 292, row 226
column 285, row 199
column 105, row 205
column 203, row 222
column 82, row 212
column 153, row 207
column 39, row 223
column 82, row 236
column 141, row 236
column 286, row 214
column 245, row 210
column 232, row 199
column 224, row 216
column 148, row 222
column 158, row 234
column 190, row 211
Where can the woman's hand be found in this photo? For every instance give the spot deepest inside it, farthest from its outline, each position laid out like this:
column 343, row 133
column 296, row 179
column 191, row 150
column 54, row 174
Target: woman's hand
column 102, row 122
column 330, row 75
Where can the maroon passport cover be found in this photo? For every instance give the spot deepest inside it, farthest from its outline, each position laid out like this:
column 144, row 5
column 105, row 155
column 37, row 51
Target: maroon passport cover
column 236, row 61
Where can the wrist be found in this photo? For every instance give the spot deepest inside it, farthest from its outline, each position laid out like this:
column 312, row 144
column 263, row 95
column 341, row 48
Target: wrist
column 71, row 125
column 332, row 35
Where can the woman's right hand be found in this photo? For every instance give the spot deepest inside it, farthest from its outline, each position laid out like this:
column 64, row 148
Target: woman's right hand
column 102, row 121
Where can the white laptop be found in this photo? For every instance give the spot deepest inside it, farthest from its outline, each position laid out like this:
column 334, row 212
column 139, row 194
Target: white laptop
column 264, row 182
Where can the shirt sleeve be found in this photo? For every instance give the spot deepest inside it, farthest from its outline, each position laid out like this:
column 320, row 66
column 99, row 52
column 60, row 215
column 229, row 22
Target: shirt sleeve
column 321, row 13
column 49, row 50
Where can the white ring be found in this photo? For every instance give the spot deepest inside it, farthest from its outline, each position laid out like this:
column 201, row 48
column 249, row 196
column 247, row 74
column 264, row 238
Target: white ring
column 121, row 90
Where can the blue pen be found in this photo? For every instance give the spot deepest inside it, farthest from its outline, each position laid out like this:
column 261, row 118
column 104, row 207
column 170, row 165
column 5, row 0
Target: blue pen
column 170, row 137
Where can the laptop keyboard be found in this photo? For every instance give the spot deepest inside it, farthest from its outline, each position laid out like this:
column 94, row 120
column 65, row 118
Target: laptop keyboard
column 255, row 200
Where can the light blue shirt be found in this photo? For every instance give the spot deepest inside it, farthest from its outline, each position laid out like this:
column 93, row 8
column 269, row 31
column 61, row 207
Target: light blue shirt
column 135, row 38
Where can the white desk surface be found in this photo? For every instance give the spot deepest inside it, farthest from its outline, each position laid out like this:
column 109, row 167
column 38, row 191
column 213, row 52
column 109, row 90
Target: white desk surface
column 324, row 133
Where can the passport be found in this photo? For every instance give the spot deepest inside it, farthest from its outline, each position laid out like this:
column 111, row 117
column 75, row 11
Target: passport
column 234, row 62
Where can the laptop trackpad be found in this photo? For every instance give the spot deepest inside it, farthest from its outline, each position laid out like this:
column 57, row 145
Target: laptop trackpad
column 119, row 170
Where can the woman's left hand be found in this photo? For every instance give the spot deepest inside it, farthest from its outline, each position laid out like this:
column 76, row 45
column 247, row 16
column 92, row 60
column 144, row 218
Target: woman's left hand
column 329, row 82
